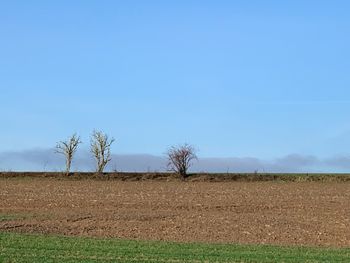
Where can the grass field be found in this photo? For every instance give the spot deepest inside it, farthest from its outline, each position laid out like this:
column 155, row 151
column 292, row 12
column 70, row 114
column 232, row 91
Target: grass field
column 39, row 248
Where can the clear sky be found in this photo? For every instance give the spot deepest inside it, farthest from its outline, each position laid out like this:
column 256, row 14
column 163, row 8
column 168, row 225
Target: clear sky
column 260, row 79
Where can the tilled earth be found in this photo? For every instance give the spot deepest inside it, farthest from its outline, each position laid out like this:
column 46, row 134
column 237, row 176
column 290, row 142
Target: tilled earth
column 305, row 213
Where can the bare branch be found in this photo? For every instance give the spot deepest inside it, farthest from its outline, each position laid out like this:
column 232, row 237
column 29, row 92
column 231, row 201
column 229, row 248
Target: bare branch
column 101, row 149
column 68, row 149
column 180, row 158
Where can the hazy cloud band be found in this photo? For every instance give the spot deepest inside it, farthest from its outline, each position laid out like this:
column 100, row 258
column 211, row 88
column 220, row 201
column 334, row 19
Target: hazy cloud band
column 47, row 160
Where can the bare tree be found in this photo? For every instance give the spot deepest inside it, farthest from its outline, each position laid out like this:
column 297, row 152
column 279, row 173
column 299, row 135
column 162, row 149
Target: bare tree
column 68, row 149
column 101, row 149
column 180, row 158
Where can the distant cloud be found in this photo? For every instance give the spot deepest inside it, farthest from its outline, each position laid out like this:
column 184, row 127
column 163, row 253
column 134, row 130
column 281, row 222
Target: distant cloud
column 228, row 165
column 294, row 163
column 34, row 159
column 339, row 161
column 47, row 160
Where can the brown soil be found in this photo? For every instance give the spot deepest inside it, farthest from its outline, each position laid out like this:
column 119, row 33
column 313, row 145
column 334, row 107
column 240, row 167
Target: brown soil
column 303, row 213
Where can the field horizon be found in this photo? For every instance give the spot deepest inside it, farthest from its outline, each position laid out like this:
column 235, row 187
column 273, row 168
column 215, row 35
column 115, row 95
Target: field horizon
column 191, row 177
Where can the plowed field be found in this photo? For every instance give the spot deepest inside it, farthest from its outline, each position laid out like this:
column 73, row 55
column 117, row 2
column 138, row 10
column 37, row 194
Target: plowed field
column 283, row 213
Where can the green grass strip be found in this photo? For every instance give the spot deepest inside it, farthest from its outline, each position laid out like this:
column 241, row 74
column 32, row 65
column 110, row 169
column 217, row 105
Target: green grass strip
column 40, row 248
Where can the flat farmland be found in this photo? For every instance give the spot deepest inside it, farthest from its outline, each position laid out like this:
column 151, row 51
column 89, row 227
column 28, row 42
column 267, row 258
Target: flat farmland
column 277, row 213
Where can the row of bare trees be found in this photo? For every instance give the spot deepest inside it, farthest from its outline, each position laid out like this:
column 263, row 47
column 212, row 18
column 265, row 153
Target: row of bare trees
column 100, row 147
column 180, row 158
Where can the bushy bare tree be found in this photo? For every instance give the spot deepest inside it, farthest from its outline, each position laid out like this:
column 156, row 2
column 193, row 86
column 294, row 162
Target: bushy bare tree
column 68, row 149
column 101, row 149
column 180, row 158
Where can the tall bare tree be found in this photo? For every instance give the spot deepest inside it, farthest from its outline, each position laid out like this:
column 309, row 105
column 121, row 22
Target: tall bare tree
column 101, row 149
column 68, row 149
column 180, row 158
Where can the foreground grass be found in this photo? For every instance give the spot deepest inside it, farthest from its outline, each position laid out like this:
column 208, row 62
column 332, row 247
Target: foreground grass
column 4, row 217
column 39, row 248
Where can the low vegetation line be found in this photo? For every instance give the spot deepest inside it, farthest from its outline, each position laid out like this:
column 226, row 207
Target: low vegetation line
column 163, row 176
column 40, row 248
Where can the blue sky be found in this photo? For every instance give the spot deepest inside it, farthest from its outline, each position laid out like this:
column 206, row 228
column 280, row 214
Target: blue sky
column 261, row 79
